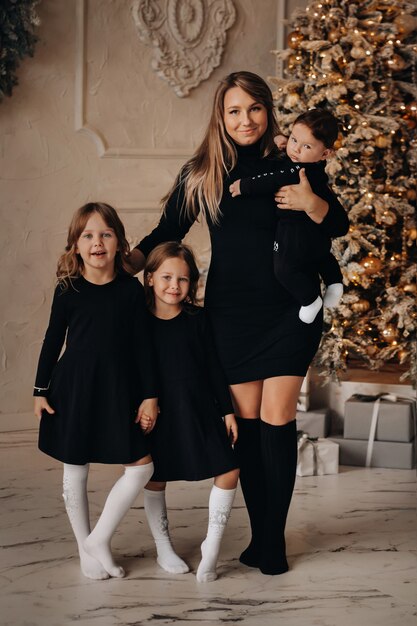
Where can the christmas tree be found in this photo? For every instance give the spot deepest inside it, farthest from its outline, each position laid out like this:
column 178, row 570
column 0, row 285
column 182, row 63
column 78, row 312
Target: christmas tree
column 358, row 59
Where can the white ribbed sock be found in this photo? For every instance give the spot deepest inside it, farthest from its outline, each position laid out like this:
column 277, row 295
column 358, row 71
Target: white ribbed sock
column 119, row 501
column 76, row 503
column 156, row 513
column 333, row 295
column 220, row 505
column 308, row 313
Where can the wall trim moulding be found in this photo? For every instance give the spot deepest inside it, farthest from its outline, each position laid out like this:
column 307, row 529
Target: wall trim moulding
column 81, row 123
column 139, row 207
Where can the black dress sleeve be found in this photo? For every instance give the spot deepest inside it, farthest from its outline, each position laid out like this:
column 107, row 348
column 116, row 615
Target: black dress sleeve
column 336, row 222
column 143, row 348
column 173, row 225
column 269, row 182
column 216, row 375
column 52, row 343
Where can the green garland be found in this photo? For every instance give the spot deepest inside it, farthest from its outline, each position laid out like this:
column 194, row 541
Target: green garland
column 18, row 20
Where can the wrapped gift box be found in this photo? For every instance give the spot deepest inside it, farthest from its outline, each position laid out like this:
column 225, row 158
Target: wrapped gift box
column 316, row 458
column 314, row 423
column 397, row 455
column 395, row 420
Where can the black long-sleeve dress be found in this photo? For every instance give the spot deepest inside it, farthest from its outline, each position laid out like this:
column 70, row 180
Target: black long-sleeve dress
column 107, row 369
column 189, row 441
column 255, row 322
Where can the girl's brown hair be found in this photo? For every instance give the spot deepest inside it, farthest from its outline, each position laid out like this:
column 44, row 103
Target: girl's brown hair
column 202, row 176
column 70, row 264
column 162, row 252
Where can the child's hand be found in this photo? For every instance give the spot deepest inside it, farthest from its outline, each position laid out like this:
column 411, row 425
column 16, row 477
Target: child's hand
column 41, row 404
column 231, row 427
column 235, row 188
column 281, row 141
column 147, row 414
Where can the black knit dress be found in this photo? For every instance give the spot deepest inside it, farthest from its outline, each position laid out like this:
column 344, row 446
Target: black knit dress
column 106, row 370
column 189, row 441
column 255, row 321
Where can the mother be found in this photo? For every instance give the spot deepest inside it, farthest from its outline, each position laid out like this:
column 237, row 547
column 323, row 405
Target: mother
column 264, row 347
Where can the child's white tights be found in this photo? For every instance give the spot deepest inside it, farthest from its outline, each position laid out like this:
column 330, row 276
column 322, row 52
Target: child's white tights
column 119, row 501
column 76, row 503
column 156, row 513
column 220, row 505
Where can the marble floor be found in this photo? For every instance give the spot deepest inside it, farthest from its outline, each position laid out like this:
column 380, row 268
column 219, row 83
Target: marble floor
column 351, row 544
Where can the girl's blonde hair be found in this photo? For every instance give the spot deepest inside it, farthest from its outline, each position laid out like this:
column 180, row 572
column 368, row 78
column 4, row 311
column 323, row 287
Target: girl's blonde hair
column 162, row 252
column 202, row 176
column 70, row 264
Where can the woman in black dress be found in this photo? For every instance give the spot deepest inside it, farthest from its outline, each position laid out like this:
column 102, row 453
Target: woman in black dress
column 264, row 348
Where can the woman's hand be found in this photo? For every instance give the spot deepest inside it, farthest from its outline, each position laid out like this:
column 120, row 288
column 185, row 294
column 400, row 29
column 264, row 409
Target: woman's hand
column 301, row 198
column 42, row 404
column 231, row 427
column 147, row 414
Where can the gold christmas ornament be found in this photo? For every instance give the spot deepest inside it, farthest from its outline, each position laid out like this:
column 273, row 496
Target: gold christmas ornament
column 411, row 288
column 396, row 63
column 411, row 194
column 294, row 39
column 361, row 306
column 411, row 109
column 371, row 264
column 411, row 123
column 291, row 100
column 382, row 141
column 389, row 333
column 405, row 23
column 412, row 233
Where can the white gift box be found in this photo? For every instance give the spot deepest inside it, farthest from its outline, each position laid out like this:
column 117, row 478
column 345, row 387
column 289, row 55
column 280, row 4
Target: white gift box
column 316, row 458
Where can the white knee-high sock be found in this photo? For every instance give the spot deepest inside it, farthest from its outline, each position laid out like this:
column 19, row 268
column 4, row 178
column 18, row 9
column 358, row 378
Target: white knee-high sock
column 220, row 505
column 76, row 503
column 119, row 501
column 156, row 513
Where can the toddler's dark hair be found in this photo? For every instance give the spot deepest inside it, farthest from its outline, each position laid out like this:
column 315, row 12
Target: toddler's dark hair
column 323, row 125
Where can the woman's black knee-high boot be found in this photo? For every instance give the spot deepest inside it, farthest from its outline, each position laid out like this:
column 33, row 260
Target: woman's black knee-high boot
column 279, row 456
column 252, row 481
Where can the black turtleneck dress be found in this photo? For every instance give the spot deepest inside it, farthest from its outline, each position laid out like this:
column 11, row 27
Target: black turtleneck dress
column 255, row 322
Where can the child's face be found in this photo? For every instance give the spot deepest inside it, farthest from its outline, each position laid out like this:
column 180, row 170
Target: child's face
column 303, row 147
column 97, row 245
column 170, row 282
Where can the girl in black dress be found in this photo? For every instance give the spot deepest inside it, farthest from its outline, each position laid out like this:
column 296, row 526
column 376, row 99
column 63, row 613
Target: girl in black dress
column 90, row 401
column 190, row 441
column 263, row 346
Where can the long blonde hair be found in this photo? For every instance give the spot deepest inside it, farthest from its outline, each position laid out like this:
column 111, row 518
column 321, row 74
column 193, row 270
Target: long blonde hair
column 70, row 264
column 202, row 176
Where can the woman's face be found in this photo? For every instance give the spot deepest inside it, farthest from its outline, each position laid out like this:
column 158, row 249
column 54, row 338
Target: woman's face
column 245, row 120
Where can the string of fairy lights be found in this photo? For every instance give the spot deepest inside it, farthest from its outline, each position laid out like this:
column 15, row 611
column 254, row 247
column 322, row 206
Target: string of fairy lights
column 358, row 58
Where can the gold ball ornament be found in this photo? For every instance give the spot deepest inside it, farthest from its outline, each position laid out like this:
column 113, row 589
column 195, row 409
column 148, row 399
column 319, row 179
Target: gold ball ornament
column 411, row 194
column 396, row 63
column 361, row 306
column 411, row 288
column 291, row 100
column 405, row 23
column 371, row 264
column 294, row 39
column 412, row 233
column 389, row 333
column 382, row 141
column 410, row 122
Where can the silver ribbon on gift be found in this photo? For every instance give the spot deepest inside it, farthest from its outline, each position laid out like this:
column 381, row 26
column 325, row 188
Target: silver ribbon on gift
column 376, row 399
column 303, row 441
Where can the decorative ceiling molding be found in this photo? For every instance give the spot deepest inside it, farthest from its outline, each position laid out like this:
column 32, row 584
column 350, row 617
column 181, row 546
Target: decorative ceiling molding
column 80, row 116
column 187, row 38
